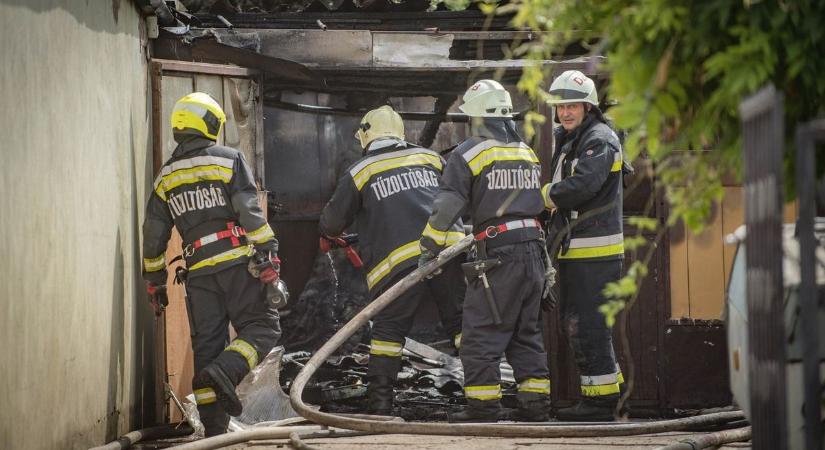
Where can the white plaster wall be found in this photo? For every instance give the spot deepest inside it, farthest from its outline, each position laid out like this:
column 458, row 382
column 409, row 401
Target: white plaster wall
column 75, row 334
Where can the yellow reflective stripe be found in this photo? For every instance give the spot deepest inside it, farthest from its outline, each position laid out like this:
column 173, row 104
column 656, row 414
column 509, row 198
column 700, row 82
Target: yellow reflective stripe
column 601, row 389
column 225, row 256
column 261, row 235
column 620, row 377
column 439, row 237
column 212, row 172
column 419, row 159
column 205, row 396
column 493, row 154
column 545, row 194
column 154, row 264
column 395, row 258
column 617, row 163
column 537, row 385
column 385, row 348
column 457, row 341
column 593, row 252
column 489, row 392
column 453, row 237
column 246, row 350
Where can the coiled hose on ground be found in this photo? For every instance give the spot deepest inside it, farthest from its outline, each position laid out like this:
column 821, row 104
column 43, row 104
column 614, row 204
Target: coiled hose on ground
column 364, row 425
column 158, row 432
column 469, row 429
column 711, row 440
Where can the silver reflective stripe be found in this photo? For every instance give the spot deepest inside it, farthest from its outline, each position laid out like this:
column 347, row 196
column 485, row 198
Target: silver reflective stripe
column 200, row 111
column 372, row 159
column 205, row 396
column 574, row 215
column 208, row 239
column 380, row 143
column 598, row 380
column 573, row 165
column 557, row 173
column 189, row 163
column 524, row 223
column 534, row 383
column 488, row 144
column 599, row 241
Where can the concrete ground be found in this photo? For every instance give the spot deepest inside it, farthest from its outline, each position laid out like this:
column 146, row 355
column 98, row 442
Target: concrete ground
column 417, row 442
column 414, row 442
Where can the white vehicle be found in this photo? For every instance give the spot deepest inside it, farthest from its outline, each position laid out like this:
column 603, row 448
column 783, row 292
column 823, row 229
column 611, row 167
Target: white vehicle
column 737, row 325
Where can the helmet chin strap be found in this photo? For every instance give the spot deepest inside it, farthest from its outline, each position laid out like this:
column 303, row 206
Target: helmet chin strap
column 182, row 138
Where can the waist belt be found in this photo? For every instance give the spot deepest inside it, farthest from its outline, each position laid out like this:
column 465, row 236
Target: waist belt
column 232, row 232
column 530, row 229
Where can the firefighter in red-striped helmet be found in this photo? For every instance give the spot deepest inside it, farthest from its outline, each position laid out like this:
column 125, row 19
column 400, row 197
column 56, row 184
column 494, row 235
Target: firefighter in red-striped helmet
column 585, row 195
column 494, row 177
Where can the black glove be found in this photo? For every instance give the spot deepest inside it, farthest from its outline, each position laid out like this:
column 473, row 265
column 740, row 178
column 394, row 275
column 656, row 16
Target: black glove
column 157, row 297
column 428, row 255
column 269, row 248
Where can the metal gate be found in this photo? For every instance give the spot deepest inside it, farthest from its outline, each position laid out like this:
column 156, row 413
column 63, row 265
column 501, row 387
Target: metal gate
column 763, row 133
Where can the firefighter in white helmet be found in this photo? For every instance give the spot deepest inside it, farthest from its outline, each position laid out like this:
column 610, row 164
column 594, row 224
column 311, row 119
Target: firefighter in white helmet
column 389, row 195
column 207, row 192
column 494, row 177
column 585, row 195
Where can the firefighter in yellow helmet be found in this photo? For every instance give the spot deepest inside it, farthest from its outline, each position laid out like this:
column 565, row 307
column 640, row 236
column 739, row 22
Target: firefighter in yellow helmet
column 389, row 195
column 585, row 195
column 494, row 177
column 207, row 192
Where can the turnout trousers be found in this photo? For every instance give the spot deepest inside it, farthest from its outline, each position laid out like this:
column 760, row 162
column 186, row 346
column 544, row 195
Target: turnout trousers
column 392, row 324
column 581, row 296
column 516, row 284
column 213, row 302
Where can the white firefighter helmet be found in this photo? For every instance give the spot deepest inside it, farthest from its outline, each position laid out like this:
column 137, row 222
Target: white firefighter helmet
column 573, row 86
column 378, row 123
column 487, row 98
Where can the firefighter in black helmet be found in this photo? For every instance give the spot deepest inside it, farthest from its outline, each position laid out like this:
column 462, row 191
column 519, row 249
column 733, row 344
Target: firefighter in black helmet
column 207, row 192
column 389, row 195
column 585, row 195
column 494, row 176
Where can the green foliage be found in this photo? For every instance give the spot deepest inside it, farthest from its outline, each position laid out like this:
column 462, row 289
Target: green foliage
column 620, row 291
column 678, row 71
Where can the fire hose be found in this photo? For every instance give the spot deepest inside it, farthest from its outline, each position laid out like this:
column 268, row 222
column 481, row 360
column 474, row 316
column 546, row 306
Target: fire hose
column 341, row 424
column 468, row 429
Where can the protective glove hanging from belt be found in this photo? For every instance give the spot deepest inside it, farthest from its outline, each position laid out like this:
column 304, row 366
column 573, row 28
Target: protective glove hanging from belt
column 157, row 297
column 266, row 266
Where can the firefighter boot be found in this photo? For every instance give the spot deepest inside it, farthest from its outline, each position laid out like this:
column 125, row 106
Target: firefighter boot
column 214, row 377
column 591, row 409
column 532, row 407
column 478, row 411
column 380, row 395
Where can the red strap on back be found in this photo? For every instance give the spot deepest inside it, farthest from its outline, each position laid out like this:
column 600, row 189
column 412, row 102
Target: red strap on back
column 232, row 232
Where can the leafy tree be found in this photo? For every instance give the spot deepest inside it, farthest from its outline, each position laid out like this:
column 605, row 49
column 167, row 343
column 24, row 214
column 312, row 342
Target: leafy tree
column 678, row 72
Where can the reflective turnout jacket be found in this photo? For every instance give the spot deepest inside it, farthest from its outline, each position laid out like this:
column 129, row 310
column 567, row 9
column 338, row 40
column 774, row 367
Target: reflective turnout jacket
column 208, row 193
column 587, row 191
column 389, row 195
column 494, row 177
